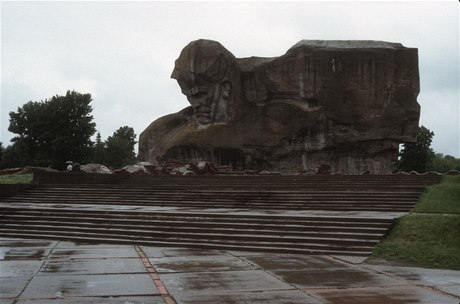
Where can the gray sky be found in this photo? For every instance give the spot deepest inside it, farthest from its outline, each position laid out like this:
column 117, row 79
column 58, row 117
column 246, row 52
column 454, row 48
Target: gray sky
column 123, row 52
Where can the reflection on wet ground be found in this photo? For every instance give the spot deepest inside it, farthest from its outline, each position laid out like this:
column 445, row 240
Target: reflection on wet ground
column 40, row 271
column 382, row 295
column 19, row 243
column 9, row 253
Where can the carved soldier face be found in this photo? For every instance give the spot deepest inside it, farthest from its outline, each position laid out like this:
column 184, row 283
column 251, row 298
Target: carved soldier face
column 206, row 73
column 209, row 101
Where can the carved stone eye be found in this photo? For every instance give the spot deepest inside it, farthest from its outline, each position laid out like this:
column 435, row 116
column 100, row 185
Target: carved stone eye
column 199, row 95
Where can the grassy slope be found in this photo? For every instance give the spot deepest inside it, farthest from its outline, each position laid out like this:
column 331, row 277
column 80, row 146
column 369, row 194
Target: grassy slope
column 441, row 198
column 16, row 179
column 430, row 236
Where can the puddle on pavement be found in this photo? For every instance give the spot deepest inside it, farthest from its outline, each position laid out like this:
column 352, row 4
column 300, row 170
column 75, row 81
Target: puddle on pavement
column 188, row 252
column 52, row 267
column 286, row 262
column 161, row 252
column 22, row 254
column 63, row 254
column 15, row 244
column 381, row 296
column 337, row 278
column 199, row 264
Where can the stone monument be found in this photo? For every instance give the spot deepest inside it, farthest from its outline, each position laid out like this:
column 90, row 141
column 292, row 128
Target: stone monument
column 324, row 106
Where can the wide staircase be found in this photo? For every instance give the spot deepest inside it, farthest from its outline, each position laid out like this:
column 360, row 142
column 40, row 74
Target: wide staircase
column 292, row 214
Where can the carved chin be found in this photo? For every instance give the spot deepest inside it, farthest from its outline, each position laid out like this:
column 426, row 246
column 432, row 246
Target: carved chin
column 202, row 118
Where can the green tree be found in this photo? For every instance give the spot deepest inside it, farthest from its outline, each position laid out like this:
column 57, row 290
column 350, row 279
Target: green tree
column 120, row 147
column 98, row 153
column 15, row 155
column 417, row 156
column 443, row 163
column 55, row 130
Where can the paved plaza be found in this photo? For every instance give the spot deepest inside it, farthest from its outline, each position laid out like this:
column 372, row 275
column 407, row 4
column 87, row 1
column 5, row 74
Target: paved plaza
column 48, row 272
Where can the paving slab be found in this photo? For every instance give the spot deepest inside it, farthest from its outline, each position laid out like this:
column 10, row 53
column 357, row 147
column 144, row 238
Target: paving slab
column 256, row 297
column 350, row 259
column 89, row 245
column 97, row 300
column 12, row 287
column 19, row 268
column 109, row 285
column 382, row 295
column 243, row 253
column 205, row 263
column 15, row 243
column 212, row 283
column 108, row 273
column 288, row 262
column 334, row 278
column 93, row 266
column 315, row 271
column 420, row 276
column 159, row 252
column 453, row 290
column 94, row 253
column 24, row 253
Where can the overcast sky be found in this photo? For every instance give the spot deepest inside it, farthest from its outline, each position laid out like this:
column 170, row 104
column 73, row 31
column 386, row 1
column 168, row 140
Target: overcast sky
column 123, row 52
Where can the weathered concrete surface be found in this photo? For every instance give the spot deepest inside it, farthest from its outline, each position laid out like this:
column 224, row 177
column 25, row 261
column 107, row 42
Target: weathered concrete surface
column 381, row 295
column 12, row 287
column 19, row 268
column 184, row 284
column 259, row 297
column 9, row 253
column 199, row 263
column 80, row 252
column 324, row 106
column 447, row 281
column 320, row 272
column 94, row 300
column 106, row 285
column 38, row 271
column 211, row 276
column 15, row 249
column 93, row 266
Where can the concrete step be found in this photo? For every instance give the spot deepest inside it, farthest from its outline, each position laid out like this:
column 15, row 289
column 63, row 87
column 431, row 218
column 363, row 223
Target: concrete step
column 203, row 203
column 267, row 194
column 277, row 239
column 356, row 251
column 183, row 226
column 257, row 213
column 199, row 217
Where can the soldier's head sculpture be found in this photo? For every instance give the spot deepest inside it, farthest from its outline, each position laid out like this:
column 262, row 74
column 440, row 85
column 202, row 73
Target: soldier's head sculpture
column 208, row 74
column 342, row 105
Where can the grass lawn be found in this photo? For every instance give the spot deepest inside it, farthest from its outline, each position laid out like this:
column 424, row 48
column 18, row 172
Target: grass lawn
column 16, row 178
column 441, row 198
column 430, row 235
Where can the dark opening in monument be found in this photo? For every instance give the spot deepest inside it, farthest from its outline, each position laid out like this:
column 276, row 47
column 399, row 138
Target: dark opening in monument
column 230, row 157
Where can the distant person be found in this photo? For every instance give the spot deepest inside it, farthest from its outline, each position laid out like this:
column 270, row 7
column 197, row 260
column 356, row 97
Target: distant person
column 76, row 167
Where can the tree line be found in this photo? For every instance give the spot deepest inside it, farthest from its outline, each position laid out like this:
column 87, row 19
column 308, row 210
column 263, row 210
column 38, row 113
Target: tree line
column 420, row 157
column 51, row 132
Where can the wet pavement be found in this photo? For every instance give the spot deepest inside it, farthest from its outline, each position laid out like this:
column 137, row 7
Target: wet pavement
column 41, row 271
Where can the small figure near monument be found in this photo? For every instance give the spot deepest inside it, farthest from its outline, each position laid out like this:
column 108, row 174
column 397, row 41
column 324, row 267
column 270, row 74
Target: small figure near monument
column 72, row 167
column 346, row 105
